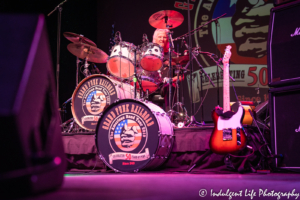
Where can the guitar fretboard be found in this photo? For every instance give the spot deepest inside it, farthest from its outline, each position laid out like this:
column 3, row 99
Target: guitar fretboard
column 226, row 86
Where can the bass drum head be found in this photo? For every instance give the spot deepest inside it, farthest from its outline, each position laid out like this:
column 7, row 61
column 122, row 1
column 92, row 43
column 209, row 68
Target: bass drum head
column 90, row 99
column 127, row 136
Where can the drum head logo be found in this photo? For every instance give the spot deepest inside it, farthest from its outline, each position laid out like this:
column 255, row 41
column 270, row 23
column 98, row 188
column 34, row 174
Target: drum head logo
column 127, row 134
column 95, row 102
column 90, row 99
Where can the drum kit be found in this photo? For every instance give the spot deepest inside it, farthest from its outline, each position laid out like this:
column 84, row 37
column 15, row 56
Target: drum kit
column 132, row 68
column 132, row 133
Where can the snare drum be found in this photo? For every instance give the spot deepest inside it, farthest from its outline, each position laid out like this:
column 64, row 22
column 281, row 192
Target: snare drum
column 93, row 95
column 132, row 135
column 152, row 57
column 121, row 61
column 150, row 80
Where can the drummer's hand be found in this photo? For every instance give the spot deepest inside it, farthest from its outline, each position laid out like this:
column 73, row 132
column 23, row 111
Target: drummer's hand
column 166, row 80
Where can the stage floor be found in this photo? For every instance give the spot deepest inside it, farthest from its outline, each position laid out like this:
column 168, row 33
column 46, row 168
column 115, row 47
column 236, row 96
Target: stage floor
column 150, row 185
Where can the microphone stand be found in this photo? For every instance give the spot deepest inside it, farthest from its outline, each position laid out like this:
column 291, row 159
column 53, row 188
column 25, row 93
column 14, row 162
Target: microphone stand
column 58, row 46
column 192, row 56
column 218, row 64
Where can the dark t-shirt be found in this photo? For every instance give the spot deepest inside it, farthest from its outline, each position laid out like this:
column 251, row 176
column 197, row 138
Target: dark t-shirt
column 165, row 69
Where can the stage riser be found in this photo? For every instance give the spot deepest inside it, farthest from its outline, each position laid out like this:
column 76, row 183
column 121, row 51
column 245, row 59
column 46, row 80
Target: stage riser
column 189, row 145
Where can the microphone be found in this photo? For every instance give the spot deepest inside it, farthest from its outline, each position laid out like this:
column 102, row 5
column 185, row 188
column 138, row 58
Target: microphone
column 118, row 37
column 257, row 89
column 145, row 38
column 220, row 60
column 209, row 54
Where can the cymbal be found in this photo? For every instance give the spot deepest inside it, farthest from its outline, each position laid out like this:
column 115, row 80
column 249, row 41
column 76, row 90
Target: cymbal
column 76, row 38
column 161, row 18
column 182, row 60
column 92, row 54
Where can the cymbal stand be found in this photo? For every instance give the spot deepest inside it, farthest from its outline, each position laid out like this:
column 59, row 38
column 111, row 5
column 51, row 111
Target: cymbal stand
column 171, row 46
column 86, row 71
column 134, row 75
column 77, row 70
column 179, row 104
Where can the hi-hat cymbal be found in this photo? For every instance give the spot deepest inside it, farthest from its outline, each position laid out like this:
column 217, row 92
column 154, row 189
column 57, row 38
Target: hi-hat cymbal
column 76, row 38
column 92, row 54
column 161, row 18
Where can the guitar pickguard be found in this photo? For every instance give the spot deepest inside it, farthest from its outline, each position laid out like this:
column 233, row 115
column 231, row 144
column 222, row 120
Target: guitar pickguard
column 233, row 122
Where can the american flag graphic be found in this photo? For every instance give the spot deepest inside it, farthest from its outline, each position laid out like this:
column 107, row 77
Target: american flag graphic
column 120, row 128
column 99, row 101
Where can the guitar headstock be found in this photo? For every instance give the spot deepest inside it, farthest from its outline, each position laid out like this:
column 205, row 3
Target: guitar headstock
column 227, row 55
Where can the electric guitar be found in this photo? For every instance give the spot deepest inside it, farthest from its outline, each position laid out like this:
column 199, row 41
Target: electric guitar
column 228, row 135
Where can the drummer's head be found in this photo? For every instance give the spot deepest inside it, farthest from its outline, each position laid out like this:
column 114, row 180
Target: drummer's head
column 160, row 37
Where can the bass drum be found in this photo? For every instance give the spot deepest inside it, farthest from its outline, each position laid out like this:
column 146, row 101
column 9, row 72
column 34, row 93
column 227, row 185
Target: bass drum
column 93, row 94
column 132, row 135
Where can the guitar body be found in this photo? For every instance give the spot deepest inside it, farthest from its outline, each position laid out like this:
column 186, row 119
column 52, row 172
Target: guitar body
column 220, row 141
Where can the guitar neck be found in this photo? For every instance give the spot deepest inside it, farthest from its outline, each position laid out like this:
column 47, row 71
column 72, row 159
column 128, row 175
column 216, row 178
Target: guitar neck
column 226, row 91
column 226, row 86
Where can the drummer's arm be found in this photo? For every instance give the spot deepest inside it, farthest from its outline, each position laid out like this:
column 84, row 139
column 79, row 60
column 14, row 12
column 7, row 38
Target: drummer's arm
column 174, row 79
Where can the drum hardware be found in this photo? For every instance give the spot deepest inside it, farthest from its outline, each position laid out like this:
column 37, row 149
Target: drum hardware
column 180, row 115
column 86, row 71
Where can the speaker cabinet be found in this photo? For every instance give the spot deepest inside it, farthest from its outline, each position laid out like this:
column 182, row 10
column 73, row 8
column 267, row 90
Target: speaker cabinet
column 279, row 2
column 31, row 149
column 284, row 45
column 285, row 125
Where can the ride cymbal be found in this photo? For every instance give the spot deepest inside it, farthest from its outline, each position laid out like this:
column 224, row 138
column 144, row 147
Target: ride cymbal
column 76, row 38
column 92, row 54
column 163, row 18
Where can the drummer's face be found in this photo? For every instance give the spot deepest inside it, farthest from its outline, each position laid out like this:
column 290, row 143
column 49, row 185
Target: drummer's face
column 162, row 39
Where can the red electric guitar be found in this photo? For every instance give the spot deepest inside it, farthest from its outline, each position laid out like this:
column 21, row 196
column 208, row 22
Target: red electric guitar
column 228, row 135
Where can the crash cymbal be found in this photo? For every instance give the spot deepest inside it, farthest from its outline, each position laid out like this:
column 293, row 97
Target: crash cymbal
column 92, row 54
column 182, row 60
column 76, row 38
column 161, row 18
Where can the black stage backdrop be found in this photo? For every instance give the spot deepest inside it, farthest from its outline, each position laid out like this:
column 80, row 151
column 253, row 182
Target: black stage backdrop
column 244, row 27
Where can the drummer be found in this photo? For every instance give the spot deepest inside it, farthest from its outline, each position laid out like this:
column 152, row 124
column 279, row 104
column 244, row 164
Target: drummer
column 160, row 37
